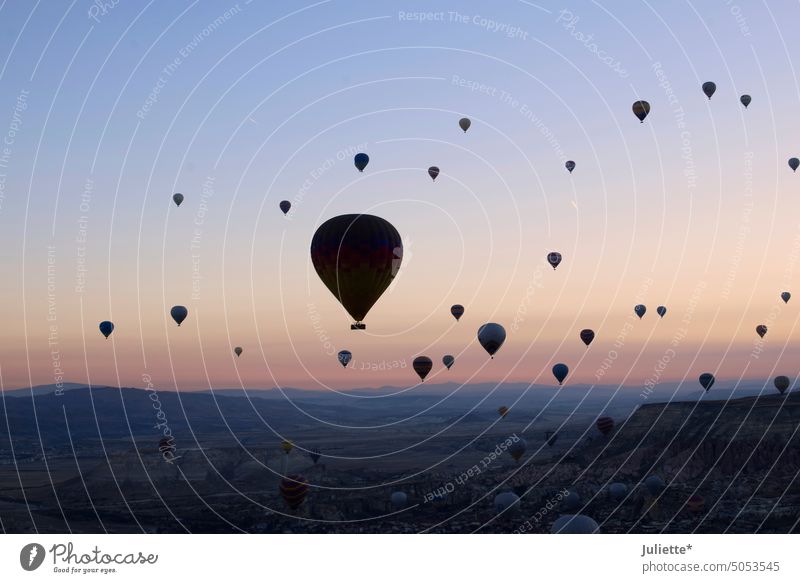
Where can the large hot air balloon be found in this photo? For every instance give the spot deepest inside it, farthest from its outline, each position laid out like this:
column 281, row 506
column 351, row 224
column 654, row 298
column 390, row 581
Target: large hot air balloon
column 745, row 99
column 506, row 502
column 357, row 257
column 285, row 206
column 560, row 371
column 422, row 366
column 661, row 310
column 448, row 360
column 794, row 163
column 293, row 490
column 491, row 336
column 464, row 123
column 786, row 296
column 640, row 110
column 605, row 425
column 345, row 356
column 706, row 380
column 782, row 383
column 654, row 484
column 106, row 328
column 574, row 524
column 587, row 336
column 361, row 160
column 554, row 258
column 570, row 166
column 457, row 310
column 695, row 504
column 503, row 411
column 399, row 500
column 433, row 172
column 179, row 314
column 709, row 87
column 238, row 350
column 177, row 198
column 640, row 309
column 617, row 491
column 761, row 330
column 517, row 449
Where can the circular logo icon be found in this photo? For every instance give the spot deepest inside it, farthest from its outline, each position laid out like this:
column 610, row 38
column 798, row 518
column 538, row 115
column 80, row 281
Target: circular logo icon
column 31, row 556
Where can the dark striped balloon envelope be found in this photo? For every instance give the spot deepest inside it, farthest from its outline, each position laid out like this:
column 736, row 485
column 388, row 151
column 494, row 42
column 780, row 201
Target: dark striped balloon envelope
column 605, row 425
column 293, row 490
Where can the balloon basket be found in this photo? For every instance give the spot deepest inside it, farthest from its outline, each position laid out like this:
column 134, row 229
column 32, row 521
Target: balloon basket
column 358, row 326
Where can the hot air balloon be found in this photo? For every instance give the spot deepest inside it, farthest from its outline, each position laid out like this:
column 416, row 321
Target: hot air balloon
column 314, row 454
column 422, row 366
column 448, row 360
column 793, row 164
column 786, row 296
column 345, row 356
column 571, row 502
column 399, row 500
column 293, row 490
column 285, row 206
column 761, row 329
column 503, row 411
column 560, row 371
column 106, row 328
column 640, row 110
column 745, row 99
column 617, row 491
column 605, row 425
column 706, row 380
column 517, row 449
column 177, row 198
column 640, row 309
column 357, row 257
column 782, row 383
column 361, row 160
column 179, row 314
column 551, row 437
column 654, row 484
column 433, row 172
column 570, row 166
column 661, row 310
column 695, row 504
column 587, row 336
column 287, row 446
column 457, row 310
column 506, row 502
column 238, row 350
column 554, row 258
column 491, row 336
column 574, row 524
column 709, row 87
column 464, row 123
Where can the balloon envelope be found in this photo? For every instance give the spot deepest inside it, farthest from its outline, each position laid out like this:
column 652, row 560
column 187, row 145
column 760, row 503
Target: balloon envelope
column 517, row 449
column 457, row 310
column 617, row 491
column 356, row 257
column 571, row 502
column 448, row 360
column 345, row 356
column 464, row 123
column 433, row 172
column 179, row 314
column 507, row 502
column 287, row 446
column 654, row 484
column 761, row 330
column 238, row 350
column 491, row 336
column 605, row 425
column 782, row 383
column 640, row 109
column 587, row 336
column 794, row 163
column 574, row 524
column 399, row 500
column 640, row 309
column 661, row 310
column 554, row 258
column 570, row 166
column 786, row 296
column 422, row 366
column 709, row 87
column 560, row 371
column 293, row 490
column 706, row 380
column 361, row 160
column 285, row 206
column 106, row 328
column 503, row 411
column 177, row 198
column 745, row 99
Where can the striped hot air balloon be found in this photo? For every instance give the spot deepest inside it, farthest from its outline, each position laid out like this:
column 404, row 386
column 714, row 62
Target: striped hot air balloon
column 293, row 490
column 605, row 425
column 696, row 503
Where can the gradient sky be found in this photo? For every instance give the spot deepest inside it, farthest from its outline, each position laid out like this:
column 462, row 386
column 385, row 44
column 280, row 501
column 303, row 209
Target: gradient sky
column 695, row 209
